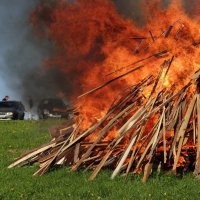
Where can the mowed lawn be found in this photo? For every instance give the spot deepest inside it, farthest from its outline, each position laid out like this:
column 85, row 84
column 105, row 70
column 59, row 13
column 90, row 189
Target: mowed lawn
column 17, row 137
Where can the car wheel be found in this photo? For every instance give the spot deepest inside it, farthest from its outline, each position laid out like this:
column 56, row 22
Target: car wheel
column 15, row 116
column 45, row 116
column 21, row 117
column 66, row 117
column 40, row 116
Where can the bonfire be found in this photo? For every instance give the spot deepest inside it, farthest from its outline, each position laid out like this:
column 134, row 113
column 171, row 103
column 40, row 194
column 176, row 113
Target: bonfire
column 143, row 112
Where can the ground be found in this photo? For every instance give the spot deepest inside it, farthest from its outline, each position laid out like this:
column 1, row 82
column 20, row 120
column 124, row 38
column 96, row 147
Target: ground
column 17, row 137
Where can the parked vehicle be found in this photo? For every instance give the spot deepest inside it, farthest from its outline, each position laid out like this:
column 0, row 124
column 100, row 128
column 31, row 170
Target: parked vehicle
column 12, row 110
column 52, row 108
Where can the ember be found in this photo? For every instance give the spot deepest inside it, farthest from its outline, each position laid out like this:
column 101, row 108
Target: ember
column 147, row 112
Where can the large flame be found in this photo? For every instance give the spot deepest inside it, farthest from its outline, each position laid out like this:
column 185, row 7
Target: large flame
column 91, row 40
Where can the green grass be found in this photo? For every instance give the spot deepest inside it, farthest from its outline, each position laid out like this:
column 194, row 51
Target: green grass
column 18, row 183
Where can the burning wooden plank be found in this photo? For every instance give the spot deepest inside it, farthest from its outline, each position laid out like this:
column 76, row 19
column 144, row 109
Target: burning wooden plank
column 110, row 81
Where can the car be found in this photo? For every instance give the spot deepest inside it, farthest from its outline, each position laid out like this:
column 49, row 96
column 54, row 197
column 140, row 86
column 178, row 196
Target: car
column 52, row 108
column 12, row 110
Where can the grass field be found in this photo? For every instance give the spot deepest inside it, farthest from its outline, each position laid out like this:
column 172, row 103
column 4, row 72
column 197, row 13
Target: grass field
column 19, row 136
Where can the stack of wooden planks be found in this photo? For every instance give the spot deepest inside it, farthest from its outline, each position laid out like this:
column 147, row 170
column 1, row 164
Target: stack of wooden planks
column 147, row 126
column 161, row 129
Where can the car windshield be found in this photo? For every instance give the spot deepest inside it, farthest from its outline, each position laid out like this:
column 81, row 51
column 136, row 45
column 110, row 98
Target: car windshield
column 9, row 105
column 54, row 102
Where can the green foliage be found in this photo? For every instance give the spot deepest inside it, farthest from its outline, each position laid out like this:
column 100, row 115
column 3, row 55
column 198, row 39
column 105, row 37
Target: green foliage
column 17, row 137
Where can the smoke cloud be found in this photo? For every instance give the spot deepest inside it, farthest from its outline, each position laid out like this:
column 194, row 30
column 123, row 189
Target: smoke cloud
column 133, row 8
column 24, row 54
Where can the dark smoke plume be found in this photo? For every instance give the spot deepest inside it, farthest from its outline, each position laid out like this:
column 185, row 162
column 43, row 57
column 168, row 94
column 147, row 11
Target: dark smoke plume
column 24, row 54
column 133, row 8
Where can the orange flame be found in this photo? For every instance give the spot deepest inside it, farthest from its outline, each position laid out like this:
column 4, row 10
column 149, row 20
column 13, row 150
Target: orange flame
column 91, row 39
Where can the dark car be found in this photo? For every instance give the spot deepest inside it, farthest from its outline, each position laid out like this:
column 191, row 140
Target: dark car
column 52, row 108
column 12, row 110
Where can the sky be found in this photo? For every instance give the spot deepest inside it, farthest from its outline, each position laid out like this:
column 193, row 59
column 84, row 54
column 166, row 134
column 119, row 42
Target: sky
column 3, row 88
column 13, row 22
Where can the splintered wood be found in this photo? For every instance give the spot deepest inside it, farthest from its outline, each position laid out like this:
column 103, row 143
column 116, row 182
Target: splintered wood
column 155, row 127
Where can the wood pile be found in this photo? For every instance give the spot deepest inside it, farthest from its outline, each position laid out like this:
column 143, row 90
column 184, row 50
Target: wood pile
column 148, row 126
